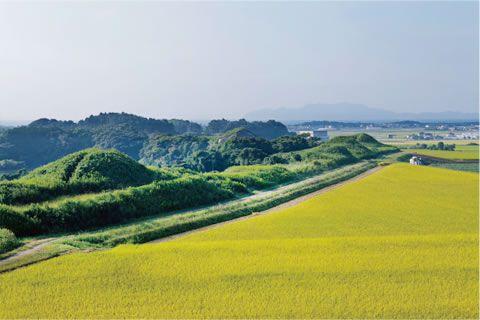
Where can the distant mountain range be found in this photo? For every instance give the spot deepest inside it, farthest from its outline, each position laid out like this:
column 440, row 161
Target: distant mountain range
column 351, row 112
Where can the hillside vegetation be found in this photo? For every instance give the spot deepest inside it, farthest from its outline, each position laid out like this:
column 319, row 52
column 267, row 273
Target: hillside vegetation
column 401, row 243
column 90, row 170
column 8, row 241
column 52, row 198
column 238, row 146
column 46, row 140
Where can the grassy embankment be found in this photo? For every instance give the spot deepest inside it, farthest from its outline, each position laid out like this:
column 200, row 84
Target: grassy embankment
column 163, row 225
column 401, row 243
column 94, row 188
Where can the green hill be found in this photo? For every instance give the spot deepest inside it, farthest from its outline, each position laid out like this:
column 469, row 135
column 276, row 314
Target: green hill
column 89, row 170
column 339, row 151
column 104, row 168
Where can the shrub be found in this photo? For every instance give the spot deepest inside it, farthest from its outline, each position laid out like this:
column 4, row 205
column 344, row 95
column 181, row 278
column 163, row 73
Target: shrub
column 117, row 206
column 16, row 221
column 8, row 241
column 404, row 157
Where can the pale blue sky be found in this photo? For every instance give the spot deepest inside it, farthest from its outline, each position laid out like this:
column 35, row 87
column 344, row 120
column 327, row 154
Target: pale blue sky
column 214, row 59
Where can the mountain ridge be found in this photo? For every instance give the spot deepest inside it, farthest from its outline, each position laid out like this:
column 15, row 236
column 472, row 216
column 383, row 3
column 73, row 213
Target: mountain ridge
column 351, row 112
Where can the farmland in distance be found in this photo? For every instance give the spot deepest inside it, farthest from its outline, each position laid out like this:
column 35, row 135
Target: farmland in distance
column 465, row 152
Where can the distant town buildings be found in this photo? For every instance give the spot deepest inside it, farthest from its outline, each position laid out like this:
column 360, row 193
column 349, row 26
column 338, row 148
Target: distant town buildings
column 398, row 130
column 320, row 133
column 470, row 135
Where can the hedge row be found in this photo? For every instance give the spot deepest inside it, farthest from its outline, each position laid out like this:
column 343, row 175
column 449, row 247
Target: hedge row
column 103, row 209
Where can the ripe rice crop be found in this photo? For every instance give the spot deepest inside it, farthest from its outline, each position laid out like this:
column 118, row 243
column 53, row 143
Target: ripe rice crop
column 401, row 243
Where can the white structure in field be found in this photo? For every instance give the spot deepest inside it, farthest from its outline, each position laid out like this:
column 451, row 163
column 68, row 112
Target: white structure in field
column 319, row 133
column 416, row 161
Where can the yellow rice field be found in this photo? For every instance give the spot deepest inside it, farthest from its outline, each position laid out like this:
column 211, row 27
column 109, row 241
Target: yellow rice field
column 401, row 243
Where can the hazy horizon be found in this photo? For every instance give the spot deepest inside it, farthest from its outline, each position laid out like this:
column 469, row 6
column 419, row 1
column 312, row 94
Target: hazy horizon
column 211, row 60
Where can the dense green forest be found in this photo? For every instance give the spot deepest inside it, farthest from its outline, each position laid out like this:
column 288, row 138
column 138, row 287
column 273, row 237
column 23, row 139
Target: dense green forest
column 208, row 153
column 268, row 130
column 94, row 187
column 46, row 140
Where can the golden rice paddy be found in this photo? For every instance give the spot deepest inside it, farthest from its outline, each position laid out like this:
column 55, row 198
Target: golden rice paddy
column 401, row 243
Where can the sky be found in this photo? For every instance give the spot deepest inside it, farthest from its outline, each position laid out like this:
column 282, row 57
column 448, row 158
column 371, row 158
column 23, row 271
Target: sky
column 202, row 60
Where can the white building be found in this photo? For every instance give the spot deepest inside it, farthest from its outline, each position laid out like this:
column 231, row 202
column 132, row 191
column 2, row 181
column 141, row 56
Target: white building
column 320, row 133
column 416, row 161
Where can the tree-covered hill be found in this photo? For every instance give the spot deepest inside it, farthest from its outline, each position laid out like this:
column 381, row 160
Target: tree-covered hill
column 269, row 130
column 89, row 170
column 36, row 145
column 45, row 140
column 238, row 146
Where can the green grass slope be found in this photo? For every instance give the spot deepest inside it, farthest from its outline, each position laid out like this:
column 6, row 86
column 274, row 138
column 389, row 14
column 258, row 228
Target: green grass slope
column 341, row 150
column 106, row 168
column 401, row 243
column 89, row 170
column 94, row 188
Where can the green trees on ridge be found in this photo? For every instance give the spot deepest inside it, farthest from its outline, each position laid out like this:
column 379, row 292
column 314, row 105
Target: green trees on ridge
column 94, row 188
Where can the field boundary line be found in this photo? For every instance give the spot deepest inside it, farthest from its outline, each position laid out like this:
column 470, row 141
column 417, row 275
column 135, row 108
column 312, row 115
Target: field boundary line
column 39, row 246
column 444, row 160
column 284, row 205
column 42, row 243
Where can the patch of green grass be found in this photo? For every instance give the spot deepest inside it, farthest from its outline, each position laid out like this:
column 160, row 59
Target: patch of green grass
column 460, row 153
column 471, row 167
column 408, row 143
column 402, row 243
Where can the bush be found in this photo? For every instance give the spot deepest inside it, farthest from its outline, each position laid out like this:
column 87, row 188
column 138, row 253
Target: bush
column 8, row 241
column 102, row 209
column 259, row 176
column 16, row 221
column 404, row 157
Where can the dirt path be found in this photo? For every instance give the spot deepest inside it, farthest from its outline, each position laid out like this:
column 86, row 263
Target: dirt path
column 37, row 246
column 285, row 205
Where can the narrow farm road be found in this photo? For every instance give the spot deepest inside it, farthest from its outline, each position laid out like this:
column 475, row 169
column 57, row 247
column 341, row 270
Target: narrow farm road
column 37, row 246
column 284, row 205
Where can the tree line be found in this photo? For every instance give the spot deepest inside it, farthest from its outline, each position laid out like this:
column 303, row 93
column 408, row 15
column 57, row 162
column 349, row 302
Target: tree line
column 45, row 140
